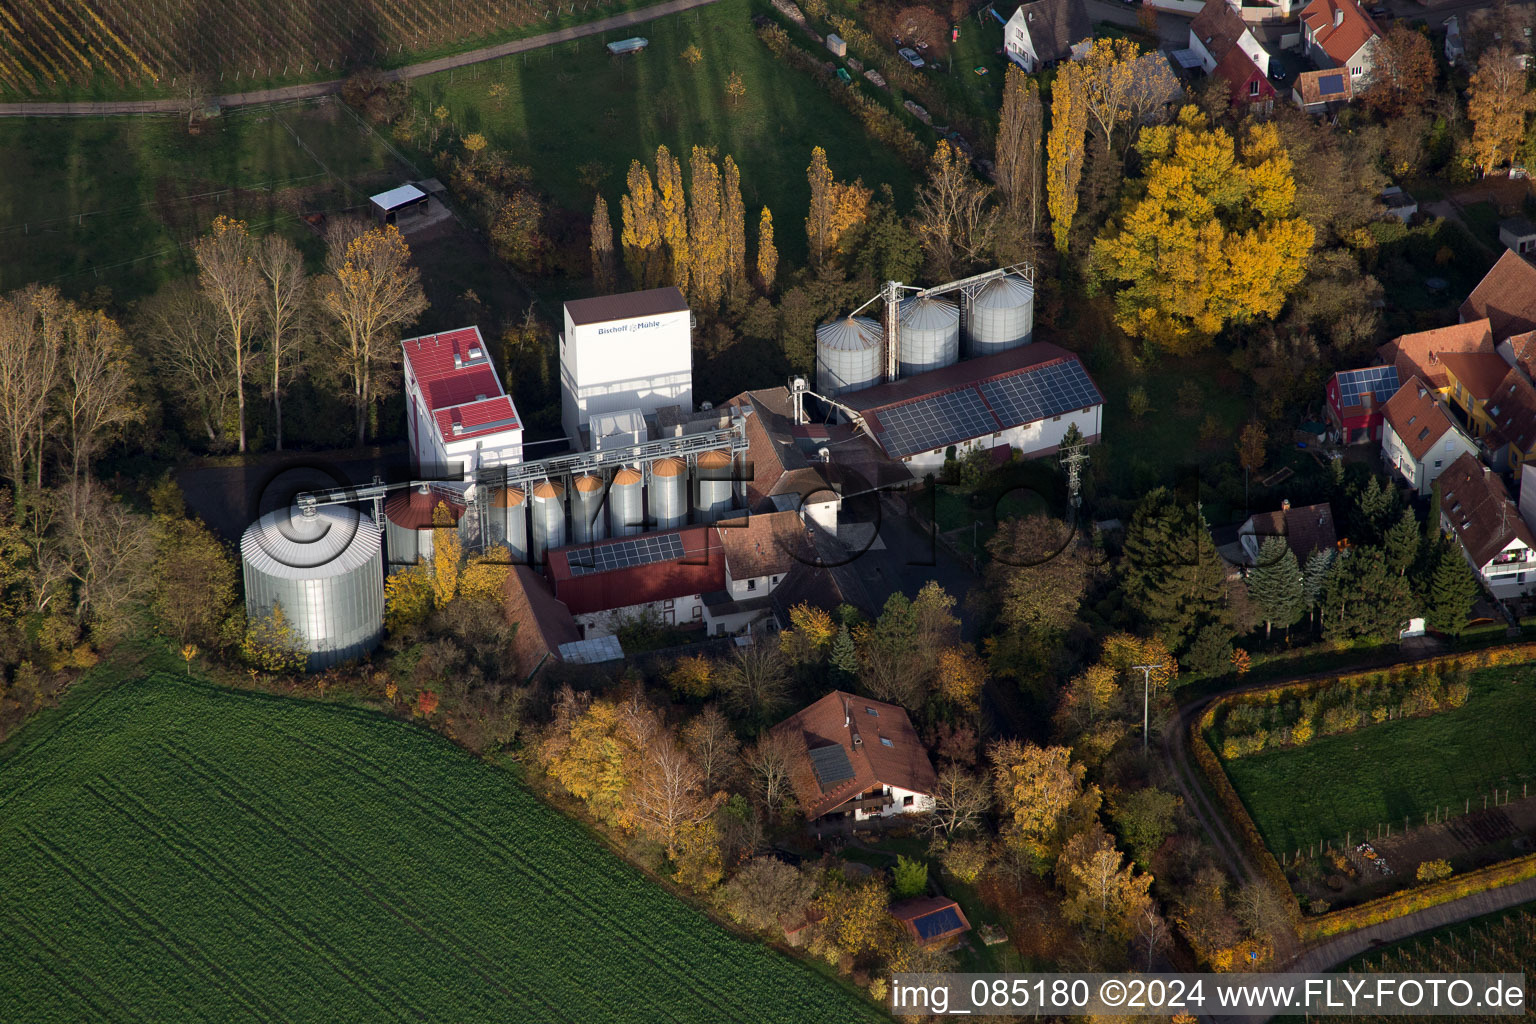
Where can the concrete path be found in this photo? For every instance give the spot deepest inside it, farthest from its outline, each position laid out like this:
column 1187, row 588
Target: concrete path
column 315, row 89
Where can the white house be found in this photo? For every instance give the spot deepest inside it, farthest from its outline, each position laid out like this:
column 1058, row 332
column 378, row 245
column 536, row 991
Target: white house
column 458, row 416
column 1218, row 29
column 1042, row 32
column 1518, row 234
column 1475, row 508
column 1339, row 34
column 1419, row 437
column 1306, row 529
column 625, row 352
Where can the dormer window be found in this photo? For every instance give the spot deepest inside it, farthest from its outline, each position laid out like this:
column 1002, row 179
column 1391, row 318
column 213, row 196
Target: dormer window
column 885, row 742
column 872, row 711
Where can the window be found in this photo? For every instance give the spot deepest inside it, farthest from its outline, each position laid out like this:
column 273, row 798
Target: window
column 775, row 581
column 1450, row 446
column 1253, row 87
column 873, row 711
column 1437, row 463
column 752, row 584
column 1055, row 419
column 698, row 612
column 886, row 742
column 906, row 801
column 1355, row 72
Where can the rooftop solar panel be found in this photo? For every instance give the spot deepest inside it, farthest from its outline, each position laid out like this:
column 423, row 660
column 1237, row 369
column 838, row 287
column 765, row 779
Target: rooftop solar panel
column 626, row 554
column 934, row 422
column 931, row 926
column 831, row 765
column 1047, row 391
column 1380, row 381
column 1330, row 85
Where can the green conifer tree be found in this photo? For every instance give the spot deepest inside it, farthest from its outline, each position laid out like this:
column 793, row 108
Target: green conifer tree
column 1402, row 543
column 1276, row 585
column 1452, row 589
column 1171, row 572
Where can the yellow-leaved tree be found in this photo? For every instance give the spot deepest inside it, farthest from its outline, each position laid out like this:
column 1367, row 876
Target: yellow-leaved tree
column 1209, row 236
column 1497, row 103
column 767, row 253
column 672, row 214
column 1064, row 149
column 1042, row 797
column 835, row 207
column 641, row 233
column 447, row 555
column 707, row 243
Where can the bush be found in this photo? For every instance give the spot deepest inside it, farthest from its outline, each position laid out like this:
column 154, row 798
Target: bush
column 966, row 859
column 1434, row 870
column 764, row 891
column 911, row 877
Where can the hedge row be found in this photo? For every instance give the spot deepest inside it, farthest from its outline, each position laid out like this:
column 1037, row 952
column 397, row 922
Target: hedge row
column 1410, row 900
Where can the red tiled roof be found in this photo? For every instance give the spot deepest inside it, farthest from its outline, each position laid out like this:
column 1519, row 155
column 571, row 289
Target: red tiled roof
column 1512, row 408
column 1417, row 416
column 1341, row 41
column 1475, row 502
column 765, row 544
column 701, row 570
column 1478, row 372
column 839, row 719
column 459, row 384
column 543, row 623
column 1522, row 350
column 1239, row 70
column 1309, row 86
column 1418, row 355
column 1506, row 296
column 1218, row 27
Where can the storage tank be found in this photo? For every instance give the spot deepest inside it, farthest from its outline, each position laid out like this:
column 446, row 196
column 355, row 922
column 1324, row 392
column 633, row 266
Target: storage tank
column 669, row 493
column 548, row 513
column 1001, row 315
column 408, row 524
column 849, row 355
column 930, row 334
column 587, row 509
column 626, row 503
column 509, row 521
column 714, row 484
column 326, row 569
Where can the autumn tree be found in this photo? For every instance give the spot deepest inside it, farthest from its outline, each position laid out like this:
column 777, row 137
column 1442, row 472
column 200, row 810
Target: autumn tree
column 194, row 581
column 447, row 555
column 1144, row 818
column 1402, row 72
column 754, row 683
column 768, row 762
column 712, row 745
column 604, row 270
column 371, row 291
column 1065, row 149
column 31, row 340
column 1109, row 79
column 692, row 675
column 106, row 546
column 180, row 330
column 228, row 276
column 1105, row 895
column 961, row 676
column 765, row 890
column 1208, row 237
column 584, row 751
column 273, row 644
column 1036, row 578
column 1018, row 155
column 94, row 386
column 666, row 792
column 954, row 215
column 672, row 217
column 284, row 305
column 1041, row 794
column 856, row 918
column 708, row 247
column 835, row 207
column 642, row 235
column 734, row 215
column 1498, row 102
column 767, row 255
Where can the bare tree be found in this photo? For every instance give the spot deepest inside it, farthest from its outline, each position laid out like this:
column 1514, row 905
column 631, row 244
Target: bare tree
column 769, row 761
column 95, row 388
column 371, row 291
column 754, row 681
column 955, row 217
column 667, row 793
column 182, row 332
column 709, row 739
column 29, row 362
column 1018, row 152
column 107, row 548
column 284, row 303
column 959, row 801
column 1151, row 932
column 227, row 274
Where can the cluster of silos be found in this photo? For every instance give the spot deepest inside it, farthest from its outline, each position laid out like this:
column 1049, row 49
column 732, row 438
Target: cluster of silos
column 930, row 334
column 1000, row 316
column 410, row 521
column 325, row 569
column 850, row 355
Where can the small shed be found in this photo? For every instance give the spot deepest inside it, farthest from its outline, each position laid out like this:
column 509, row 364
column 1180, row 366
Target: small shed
column 407, row 200
column 932, row 921
column 1399, row 203
column 836, row 45
column 1518, row 234
column 632, row 45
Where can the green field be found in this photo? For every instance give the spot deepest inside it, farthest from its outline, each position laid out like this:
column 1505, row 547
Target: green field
column 1382, row 773
column 179, row 852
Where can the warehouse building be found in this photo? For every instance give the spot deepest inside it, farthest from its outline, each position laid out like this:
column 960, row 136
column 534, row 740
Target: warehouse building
column 625, row 353
column 458, row 416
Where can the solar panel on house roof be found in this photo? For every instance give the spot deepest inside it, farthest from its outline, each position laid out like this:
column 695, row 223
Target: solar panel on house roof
column 931, row 926
column 626, row 554
column 1048, row 391
column 831, row 765
column 1380, row 381
column 935, row 422
column 1330, row 85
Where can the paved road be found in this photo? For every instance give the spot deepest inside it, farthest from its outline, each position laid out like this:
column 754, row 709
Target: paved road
column 314, row 89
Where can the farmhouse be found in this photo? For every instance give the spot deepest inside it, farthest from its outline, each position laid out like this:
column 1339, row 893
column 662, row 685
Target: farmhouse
column 1475, row 508
column 1338, row 34
column 933, row 922
column 1505, row 297
column 458, row 416
column 1042, row 32
column 856, row 759
column 1420, row 437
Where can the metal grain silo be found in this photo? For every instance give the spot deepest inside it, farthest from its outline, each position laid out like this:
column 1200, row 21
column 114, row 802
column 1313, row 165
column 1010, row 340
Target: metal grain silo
column 587, row 509
column 1001, row 315
column 626, row 503
column 849, row 355
column 326, row 570
column 408, row 524
column 548, row 514
column 713, row 479
column 930, row 334
column 509, row 521
column 669, row 493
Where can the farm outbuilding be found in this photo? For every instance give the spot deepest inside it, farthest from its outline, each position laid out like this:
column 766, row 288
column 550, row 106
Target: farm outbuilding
column 406, row 200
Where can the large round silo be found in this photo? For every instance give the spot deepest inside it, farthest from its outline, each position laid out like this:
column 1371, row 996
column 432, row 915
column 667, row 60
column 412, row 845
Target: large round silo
column 548, row 513
column 714, row 486
column 326, row 570
column 509, row 521
column 626, row 503
column 1001, row 315
column 849, row 355
column 669, row 493
column 409, row 525
column 587, row 509
column 930, row 334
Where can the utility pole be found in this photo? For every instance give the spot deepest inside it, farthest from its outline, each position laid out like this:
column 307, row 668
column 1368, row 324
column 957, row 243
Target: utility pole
column 1146, row 702
column 1073, row 458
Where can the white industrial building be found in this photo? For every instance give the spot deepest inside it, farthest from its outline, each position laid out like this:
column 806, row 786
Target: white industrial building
column 623, row 353
column 458, row 416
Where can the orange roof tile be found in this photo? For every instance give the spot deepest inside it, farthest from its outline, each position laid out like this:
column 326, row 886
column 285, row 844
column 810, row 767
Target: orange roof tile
column 1478, row 372
column 1418, row 355
column 1506, row 296
column 1340, row 37
column 1417, row 416
column 861, row 727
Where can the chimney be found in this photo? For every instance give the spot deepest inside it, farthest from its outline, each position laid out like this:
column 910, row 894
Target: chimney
column 1285, row 504
column 1338, row 16
column 846, row 723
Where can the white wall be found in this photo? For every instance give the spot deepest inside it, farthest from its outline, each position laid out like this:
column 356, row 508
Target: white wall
column 1029, row 438
column 641, row 363
column 921, row 802
column 608, row 622
column 1421, row 474
column 1017, row 44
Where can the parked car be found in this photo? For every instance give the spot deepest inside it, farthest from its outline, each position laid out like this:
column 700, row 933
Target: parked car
column 1277, row 71
column 1381, row 14
column 911, row 57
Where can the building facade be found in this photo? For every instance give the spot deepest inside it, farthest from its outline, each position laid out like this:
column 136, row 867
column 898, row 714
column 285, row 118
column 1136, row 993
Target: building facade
column 625, row 352
column 1420, row 437
column 459, row 418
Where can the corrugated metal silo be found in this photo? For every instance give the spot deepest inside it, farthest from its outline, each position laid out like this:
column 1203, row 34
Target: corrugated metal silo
column 669, row 493
column 626, row 503
column 548, row 513
column 930, row 334
column 408, row 524
column 849, row 355
column 327, row 572
column 1001, row 315
column 509, row 521
column 714, row 486
column 587, row 509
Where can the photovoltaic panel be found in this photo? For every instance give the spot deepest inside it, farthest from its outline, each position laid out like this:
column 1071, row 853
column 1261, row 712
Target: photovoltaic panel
column 1380, row 381
column 1041, row 393
column 935, row 422
column 931, row 926
column 625, row 554
column 831, row 765
column 1330, row 85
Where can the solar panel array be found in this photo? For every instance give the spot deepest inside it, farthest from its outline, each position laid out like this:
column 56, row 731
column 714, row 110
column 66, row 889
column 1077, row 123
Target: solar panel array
column 1048, row 391
column 1330, row 85
column 626, row 554
column 935, row 422
column 831, row 765
column 1380, row 381
column 931, row 926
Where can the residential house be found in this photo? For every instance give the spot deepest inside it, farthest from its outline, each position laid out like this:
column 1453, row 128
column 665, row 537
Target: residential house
column 1226, row 48
column 856, row 758
column 1419, row 355
column 1354, row 401
column 1475, row 508
column 1042, row 32
column 1420, row 437
column 1339, row 34
column 1306, row 529
column 1398, row 203
column 1518, row 234
column 1511, row 409
column 1519, row 351
column 1319, row 92
column 933, row 922
column 1473, row 379
column 1506, row 297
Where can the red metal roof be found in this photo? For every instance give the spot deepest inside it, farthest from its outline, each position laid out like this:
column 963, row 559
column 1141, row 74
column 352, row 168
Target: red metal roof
column 701, row 570
column 459, row 384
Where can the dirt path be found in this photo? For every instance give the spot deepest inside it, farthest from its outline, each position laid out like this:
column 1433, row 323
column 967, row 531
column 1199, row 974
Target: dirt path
column 314, row 89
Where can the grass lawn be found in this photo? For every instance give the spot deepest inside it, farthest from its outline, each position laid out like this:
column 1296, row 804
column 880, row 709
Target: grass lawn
column 180, row 852
column 1381, row 773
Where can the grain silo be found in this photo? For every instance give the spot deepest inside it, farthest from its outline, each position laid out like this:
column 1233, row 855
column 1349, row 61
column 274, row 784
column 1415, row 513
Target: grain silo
column 713, row 479
column 849, row 355
column 408, row 523
column 509, row 521
column 587, row 509
column 1001, row 315
column 326, row 569
column 669, row 493
column 548, row 513
column 930, row 334
column 626, row 503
